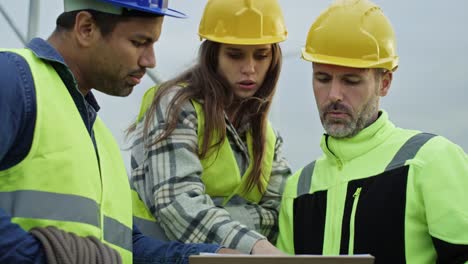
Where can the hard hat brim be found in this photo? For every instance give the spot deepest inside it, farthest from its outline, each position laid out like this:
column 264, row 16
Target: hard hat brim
column 390, row 64
column 152, row 10
column 243, row 41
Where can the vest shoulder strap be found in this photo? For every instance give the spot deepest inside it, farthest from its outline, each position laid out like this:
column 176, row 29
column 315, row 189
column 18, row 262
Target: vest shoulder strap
column 305, row 179
column 406, row 152
column 409, row 150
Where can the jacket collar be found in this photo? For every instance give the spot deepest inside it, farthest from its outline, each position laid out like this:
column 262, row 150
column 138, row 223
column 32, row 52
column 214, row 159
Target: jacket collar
column 43, row 50
column 370, row 137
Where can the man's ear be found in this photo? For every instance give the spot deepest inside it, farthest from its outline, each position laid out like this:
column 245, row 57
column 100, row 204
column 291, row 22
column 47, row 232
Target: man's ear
column 385, row 83
column 85, row 29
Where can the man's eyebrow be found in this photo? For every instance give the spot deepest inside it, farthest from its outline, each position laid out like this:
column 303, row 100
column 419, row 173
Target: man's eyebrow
column 352, row 75
column 320, row 72
column 144, row 37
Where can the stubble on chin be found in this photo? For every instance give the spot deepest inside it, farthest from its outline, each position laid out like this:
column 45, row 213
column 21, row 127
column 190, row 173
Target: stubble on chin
column 338, row 128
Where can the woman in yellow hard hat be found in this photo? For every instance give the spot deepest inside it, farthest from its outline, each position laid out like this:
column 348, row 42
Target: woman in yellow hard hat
column 206, row 163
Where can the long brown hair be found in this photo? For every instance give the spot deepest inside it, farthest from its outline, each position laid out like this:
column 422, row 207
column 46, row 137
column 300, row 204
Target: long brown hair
column 204, row 84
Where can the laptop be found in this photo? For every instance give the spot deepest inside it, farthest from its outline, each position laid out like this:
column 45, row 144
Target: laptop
column 271, row 259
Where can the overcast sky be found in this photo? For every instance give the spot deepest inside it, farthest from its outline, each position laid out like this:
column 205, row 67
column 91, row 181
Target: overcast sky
column 428, row 91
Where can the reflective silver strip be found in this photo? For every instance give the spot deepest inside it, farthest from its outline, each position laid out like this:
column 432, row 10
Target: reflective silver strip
column 117, row 233
column 406, row 152
column 64, row 207
column 150, row 228
column 305, row 179
column 53, row 206
column 409, row 150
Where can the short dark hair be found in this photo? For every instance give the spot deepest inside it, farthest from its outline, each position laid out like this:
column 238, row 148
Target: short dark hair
column 106, row 22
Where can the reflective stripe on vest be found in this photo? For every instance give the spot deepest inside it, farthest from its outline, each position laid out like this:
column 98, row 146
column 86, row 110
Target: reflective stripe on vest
column 117, row 234
column 406, row 152
column 305, row 179
column 48, row 205
column 61, row 182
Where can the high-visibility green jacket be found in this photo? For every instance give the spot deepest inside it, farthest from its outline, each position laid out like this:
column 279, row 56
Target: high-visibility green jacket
column 396, row 194
column 64, row 181
column 221, row 162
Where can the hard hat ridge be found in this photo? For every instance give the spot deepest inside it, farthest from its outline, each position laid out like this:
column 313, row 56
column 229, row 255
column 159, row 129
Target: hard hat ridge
column 244, row 22
column 158, row 7
column 353, row 33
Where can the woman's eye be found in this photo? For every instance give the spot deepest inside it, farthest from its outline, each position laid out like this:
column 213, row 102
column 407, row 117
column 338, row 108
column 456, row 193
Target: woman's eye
column 261, row 56
column 234, row 55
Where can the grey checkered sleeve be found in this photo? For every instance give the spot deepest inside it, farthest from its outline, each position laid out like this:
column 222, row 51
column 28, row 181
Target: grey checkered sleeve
column 168, row 178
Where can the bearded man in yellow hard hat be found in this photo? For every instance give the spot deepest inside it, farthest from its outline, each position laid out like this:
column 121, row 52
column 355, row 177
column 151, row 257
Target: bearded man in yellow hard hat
column 397, row 194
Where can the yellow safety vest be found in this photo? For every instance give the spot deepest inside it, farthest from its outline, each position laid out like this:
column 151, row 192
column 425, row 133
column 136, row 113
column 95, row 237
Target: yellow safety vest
column 62, row 182
column 221, row 162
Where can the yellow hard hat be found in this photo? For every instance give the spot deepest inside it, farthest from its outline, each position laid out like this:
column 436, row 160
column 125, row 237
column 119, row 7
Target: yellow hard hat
column 248, row 22
column 352, row 33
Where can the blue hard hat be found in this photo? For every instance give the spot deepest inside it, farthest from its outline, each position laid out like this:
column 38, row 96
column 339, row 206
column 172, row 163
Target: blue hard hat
column 159, row 7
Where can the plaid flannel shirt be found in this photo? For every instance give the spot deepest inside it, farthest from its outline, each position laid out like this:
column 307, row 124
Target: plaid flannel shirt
column 167, row 176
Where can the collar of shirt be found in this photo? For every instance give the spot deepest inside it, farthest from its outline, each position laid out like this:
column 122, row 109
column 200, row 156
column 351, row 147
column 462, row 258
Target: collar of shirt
column 238, row 142
column 42, row 49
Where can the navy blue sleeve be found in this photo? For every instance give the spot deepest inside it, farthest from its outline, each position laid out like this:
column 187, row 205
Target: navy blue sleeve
column 17, row 245
column 147, row 250
column 17, row 109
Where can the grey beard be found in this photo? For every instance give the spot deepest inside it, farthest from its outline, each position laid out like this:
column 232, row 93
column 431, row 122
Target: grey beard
column 349, row 129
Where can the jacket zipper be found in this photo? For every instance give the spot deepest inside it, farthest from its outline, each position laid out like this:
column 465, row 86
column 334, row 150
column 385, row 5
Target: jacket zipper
column 352, row 220
column 339, row 163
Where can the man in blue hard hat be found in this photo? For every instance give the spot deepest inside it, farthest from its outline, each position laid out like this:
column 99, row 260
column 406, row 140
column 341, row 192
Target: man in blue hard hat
column 64, row 190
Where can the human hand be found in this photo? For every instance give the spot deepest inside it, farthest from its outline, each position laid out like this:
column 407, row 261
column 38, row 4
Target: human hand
column 228, row 251
column 263, row 247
